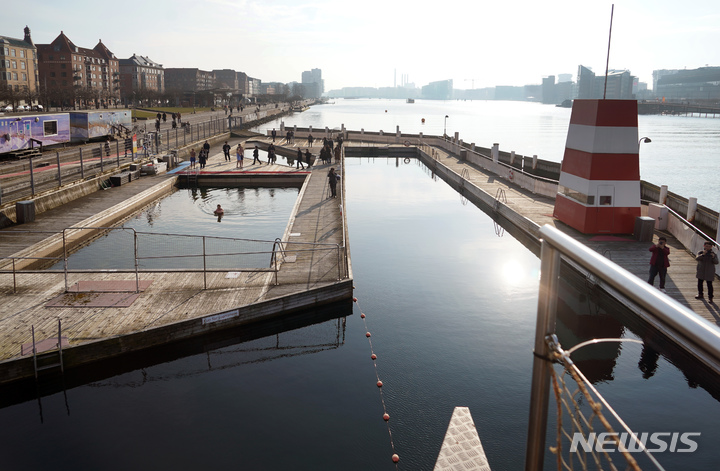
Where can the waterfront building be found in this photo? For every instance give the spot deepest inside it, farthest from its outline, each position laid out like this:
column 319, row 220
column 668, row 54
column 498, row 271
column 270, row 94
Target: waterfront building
column 138, row 75
column 696, row 84
column 441, row 90
column 69, row 74
column 18, row 69
column 619, row 84
column 191, row 86
column 313, row 83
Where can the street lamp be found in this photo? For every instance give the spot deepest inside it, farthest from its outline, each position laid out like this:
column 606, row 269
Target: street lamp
column 445, row 127
column 646, row 140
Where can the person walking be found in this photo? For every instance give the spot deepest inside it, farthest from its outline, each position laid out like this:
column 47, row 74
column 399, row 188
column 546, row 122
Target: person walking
column 332, row 180
column 240, row 155
column 256, row 156
column 659, row 262
column 226, row 151
column 706, row 261
column 206, row 148
column 274, row 134
column 299, row 159
column 308, row 158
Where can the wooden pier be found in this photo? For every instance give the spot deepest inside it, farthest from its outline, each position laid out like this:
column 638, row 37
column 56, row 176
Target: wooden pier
column 102, row 316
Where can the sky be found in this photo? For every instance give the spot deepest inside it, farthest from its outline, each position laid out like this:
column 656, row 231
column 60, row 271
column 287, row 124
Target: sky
column 373, row 43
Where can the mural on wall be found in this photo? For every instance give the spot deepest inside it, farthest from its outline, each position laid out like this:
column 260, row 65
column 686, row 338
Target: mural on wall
column 86, row 125
column 19, row 133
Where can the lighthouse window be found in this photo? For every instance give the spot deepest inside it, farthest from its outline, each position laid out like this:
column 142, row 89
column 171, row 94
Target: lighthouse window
column 605, row 200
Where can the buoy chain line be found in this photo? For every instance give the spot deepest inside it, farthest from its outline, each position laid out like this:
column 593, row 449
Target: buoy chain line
column 386, row 417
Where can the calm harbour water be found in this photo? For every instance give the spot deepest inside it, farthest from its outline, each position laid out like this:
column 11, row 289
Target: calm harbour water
column 451, row 307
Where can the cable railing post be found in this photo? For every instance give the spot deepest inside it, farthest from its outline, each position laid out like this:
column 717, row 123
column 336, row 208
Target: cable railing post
column 117, row 153
column 65, row 258
column 32, row 178
column 540, row 383
column 339, row 277
column 137, row 274
column 102, row 163
column 14, row 277
column 57, row 158
column 82, row 168
column 204, row 264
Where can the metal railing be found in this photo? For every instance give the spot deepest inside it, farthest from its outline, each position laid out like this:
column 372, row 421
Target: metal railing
column 26, row 178
column 679, row 324
column 158, row 253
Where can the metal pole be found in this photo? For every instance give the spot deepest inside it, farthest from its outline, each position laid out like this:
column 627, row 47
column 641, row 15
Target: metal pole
column 57, row 158
column 82, row 168
column 14, row 278
column 65, row 260
column 102, row 162
column 117, row 151
column 137, row 275
column 540, row 383
column 32, row 178
column 204, row 265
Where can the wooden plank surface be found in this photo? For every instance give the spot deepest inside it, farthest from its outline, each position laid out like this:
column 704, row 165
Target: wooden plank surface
column 171, row 297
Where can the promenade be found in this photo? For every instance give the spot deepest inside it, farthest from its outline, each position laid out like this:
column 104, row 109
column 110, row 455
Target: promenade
column 312, row 270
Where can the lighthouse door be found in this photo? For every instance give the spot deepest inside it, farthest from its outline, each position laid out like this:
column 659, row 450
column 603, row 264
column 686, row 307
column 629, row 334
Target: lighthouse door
column 605, row 211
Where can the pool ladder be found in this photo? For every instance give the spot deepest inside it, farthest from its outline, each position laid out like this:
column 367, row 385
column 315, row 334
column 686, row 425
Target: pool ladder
column 192, row 179
column 50, row 359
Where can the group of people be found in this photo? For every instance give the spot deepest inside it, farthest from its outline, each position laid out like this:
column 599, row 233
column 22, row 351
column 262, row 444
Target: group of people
column 201, row 157
column 705, row 270
column 176, row 119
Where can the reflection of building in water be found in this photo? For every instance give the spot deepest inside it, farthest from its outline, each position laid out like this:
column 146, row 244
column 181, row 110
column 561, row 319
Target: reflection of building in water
column 581, row 318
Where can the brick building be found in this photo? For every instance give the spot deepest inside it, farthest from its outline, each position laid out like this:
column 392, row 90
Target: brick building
column 18, row 70
column 139, row 74
column 70, row 74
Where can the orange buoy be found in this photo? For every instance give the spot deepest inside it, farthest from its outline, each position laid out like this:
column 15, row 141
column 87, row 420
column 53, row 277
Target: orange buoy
column 362, row 316
column 379, row 384
column 373, row 356
column 395, row 458
column 423, row 120
column 354, row 300
column 367, row 334
column 386, row 417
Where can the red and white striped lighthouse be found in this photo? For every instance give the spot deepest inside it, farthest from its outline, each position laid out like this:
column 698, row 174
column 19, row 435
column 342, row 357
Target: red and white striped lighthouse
column 599, row 188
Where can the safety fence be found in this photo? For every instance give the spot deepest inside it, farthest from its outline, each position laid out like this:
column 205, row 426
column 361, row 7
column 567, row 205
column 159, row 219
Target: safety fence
column 587, row 425
column 28, row 177
column 124, row 250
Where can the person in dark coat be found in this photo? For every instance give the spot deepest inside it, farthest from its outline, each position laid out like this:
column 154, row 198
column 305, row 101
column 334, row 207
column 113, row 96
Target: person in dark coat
column 706, row 261
column 256, row 156
column 226, row 151
column 299, row 160
column 332, row 180
column 659, row 262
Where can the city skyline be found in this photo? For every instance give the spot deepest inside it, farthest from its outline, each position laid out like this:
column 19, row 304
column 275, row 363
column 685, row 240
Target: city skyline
column 476, row 45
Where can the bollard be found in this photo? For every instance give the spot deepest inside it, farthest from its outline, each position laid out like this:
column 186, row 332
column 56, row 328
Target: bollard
column 663, row 194
column 692, row 208
column 495, row 152
column 397, row 132
column 534, row 164
column 472, row 146
column 457, row 137
column 512, row 157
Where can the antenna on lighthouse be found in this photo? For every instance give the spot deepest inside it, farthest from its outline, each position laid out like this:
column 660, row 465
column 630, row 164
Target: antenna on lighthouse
column 607, row 63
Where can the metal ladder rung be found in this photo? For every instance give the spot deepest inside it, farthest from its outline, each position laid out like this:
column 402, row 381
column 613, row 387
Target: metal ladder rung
column 47, row 367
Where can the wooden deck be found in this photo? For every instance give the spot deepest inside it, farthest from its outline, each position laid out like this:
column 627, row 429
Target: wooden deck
column 311, row 272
